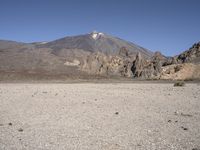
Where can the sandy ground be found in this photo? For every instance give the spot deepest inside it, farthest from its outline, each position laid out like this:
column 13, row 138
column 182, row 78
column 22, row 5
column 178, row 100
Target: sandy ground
column 103, row 116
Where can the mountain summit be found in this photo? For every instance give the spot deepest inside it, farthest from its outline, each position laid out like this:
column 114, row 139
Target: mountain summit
column 96, row 35
column 96, row 41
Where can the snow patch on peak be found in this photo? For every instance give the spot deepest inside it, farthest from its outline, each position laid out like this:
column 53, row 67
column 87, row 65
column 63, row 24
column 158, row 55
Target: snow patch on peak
column 95, row 35
column 44, row 42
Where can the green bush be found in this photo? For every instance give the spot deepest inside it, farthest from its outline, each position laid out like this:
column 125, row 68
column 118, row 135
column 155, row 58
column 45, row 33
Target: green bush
column 179, row 83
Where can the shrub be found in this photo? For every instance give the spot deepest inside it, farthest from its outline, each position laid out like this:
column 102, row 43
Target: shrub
column 179, row 83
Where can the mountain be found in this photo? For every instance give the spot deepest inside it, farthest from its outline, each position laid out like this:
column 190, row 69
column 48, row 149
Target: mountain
column 96, row 41
column 83, row 56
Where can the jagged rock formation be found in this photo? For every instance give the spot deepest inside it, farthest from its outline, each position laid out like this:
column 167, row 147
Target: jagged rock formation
column 182, row 67
column 148, row 69
column 108, row 65
column 190, row 56
column 138, row 65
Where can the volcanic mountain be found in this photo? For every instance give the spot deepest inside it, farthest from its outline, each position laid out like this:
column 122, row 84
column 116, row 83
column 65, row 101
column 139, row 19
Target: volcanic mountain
column 83, row 55
column 96, row 41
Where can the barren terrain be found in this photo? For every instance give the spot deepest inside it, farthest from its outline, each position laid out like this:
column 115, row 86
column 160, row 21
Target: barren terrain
column 89, row 116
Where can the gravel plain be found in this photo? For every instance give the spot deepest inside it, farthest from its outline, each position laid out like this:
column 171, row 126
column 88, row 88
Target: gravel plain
column 107, row 116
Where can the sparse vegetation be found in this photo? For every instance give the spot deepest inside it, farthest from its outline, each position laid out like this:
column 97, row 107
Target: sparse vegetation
column 179, row 83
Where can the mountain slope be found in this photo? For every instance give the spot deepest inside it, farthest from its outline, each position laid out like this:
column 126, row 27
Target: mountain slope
column 94, row 42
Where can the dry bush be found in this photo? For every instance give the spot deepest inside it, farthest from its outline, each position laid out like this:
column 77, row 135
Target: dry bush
column 179, row 83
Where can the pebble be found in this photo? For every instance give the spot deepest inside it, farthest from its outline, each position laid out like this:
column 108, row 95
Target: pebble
column 20, row 130
column 184, row 128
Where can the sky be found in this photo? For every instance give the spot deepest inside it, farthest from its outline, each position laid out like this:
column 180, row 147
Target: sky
column 169, row 26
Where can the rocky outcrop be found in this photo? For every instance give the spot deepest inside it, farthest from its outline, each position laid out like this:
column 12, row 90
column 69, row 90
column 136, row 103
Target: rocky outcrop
column 148, row 69
column 186, row 71
column 138, row 66
column 182, row 67
column 190, row 56
column 109, row 65
column 158, row 67
column 123, row 52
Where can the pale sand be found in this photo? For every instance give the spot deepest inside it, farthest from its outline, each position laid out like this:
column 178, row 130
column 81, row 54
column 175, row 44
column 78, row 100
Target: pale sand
column 99, row 116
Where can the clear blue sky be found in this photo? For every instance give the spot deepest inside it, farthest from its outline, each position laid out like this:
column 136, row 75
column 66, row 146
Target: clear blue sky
column 169, row 26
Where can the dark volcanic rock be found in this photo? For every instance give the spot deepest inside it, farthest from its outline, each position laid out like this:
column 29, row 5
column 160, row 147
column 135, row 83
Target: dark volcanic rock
column 148, row 69
column 138, row 65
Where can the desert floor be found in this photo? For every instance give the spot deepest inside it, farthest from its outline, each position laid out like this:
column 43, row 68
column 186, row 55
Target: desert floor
column 103, row 116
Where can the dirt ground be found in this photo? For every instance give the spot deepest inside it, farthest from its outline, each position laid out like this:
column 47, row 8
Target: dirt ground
column 94, row 116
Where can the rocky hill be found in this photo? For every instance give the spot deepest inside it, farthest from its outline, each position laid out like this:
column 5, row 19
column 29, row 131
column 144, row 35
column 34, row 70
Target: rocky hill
column 190, row 56
column 185, row 66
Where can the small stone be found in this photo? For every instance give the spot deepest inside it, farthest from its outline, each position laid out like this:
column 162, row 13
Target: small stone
column 116, row 113
column 169, row 121
column 10, row 124
column 149, row 131
column 184, row 128
column 186, row 115
column 20, row 130
column 176, row 113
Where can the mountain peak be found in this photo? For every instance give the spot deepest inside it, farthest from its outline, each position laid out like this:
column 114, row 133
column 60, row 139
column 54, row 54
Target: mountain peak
column 96, row 41
column 96, row 35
